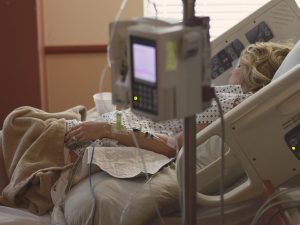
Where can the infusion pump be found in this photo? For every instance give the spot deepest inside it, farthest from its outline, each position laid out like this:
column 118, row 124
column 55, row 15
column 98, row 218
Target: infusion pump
column 161, row 72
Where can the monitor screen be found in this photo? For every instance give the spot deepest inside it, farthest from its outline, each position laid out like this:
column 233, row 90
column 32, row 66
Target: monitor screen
column 144, row 62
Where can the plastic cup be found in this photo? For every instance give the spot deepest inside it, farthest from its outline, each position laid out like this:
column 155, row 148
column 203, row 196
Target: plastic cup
column 103, row 102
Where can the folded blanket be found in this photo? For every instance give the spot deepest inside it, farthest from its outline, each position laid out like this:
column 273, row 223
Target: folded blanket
column 34, row 156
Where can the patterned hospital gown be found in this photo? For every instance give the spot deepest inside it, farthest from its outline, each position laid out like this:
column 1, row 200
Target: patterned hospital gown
column 228, row 95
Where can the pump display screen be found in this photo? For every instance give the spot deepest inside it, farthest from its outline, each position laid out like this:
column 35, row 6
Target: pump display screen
column 144, row 60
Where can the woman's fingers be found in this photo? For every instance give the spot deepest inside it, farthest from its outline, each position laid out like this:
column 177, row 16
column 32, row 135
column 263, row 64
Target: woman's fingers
column 87, row 131
column 72, row 134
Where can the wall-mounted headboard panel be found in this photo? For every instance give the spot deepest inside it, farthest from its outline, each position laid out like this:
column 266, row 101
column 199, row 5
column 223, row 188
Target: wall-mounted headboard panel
column 276, row 20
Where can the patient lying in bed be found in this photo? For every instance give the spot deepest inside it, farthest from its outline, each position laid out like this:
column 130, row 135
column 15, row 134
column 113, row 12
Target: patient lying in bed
column 255, row 60
column 264, row 55
column 162, row 137
column 258, row 63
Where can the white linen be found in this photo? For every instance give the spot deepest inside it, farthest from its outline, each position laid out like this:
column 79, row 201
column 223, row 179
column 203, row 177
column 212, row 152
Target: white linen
column 13, row 216
column 123, row 201
column 127, row 162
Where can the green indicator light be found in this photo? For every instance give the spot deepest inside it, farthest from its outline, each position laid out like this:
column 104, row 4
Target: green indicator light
column 293, row 148
column 135, row 98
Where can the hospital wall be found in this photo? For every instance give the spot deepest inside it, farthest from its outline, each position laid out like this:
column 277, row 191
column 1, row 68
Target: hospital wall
column 76, row 36
column 21, row 56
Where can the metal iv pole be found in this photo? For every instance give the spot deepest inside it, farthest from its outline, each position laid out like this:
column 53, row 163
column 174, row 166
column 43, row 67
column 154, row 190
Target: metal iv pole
column 189, row 146
column 189, row 179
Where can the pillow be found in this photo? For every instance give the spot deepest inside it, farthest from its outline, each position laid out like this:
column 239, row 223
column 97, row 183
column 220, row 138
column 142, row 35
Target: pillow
column 290, row 61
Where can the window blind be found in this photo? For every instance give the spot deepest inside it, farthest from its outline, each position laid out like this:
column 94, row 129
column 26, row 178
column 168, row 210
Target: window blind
column 223, row 13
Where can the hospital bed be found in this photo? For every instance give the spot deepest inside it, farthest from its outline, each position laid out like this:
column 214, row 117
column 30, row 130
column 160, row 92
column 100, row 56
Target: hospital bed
column 128, row 201
column 132, row 201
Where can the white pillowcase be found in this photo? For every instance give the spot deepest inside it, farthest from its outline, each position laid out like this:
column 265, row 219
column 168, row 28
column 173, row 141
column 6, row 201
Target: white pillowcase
column 290, row 61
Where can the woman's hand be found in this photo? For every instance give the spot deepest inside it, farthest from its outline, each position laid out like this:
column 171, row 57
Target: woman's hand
column 88, row 131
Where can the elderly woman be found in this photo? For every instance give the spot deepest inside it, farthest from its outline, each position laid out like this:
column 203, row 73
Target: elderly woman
column 257, row 66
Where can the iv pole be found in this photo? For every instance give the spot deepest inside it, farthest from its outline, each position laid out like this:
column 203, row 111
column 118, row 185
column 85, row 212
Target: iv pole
column 189, row 179
column 189, row 146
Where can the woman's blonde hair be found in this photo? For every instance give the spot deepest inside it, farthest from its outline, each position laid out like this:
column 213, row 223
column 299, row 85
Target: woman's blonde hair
column 259, row 62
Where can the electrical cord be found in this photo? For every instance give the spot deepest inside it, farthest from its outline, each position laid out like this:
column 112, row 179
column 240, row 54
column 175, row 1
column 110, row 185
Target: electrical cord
column 113, row 30
column 93, row 212
column 101, row 82
column 266, row 205
column 280, row 211
column 274, row 205
column 148, row 179
column 150, row 2
column 222, row 159
column 108, row 62
column 118, row 15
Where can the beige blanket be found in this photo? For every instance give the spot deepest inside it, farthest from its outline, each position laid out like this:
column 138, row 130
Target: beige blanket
column 33, row 152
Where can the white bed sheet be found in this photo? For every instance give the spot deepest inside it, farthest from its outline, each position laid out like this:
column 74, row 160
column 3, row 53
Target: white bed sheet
column 12, row 216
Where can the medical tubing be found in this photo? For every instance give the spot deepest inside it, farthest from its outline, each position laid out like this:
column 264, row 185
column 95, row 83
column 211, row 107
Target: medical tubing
column 103, row 75
column 148, row 182
column 108, row 63
column 92, row 214
column 126, row 207
column 173, row 143
column 147, row 178
column 113, row 30
column 102, row 78
column 273, row 205
column 73, row 172
column 271, row 198
column 222, row 159
column 280, row 211
column 154, row 6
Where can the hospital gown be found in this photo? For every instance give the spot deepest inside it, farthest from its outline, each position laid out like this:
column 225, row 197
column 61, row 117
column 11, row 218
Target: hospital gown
column 228, row 95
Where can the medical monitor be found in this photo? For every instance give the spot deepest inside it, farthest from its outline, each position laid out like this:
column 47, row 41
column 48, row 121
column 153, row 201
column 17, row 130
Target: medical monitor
column 118, row 55
column 167, row 69
column 278, row 20
column 144, row 74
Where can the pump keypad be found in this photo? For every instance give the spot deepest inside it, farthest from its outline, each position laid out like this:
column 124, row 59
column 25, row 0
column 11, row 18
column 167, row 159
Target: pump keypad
column 145, row 98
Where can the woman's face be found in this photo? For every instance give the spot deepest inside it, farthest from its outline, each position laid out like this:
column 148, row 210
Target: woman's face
column 235, row 77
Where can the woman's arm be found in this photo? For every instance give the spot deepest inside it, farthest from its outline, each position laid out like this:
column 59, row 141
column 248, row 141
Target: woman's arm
column 179, row 138
column 92, row 130
column 154, row 142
